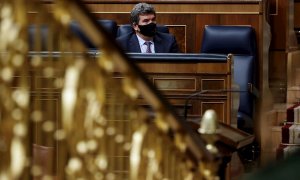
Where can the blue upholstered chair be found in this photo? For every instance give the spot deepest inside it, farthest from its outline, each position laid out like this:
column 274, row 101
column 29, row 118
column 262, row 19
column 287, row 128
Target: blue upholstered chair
column 109, row 25
column 126, row 29
column 241, row 42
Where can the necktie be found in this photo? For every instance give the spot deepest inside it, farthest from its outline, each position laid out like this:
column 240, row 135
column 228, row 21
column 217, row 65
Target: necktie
column 148, row 44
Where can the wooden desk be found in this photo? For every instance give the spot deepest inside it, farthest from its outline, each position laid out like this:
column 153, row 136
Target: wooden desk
column 178, row 76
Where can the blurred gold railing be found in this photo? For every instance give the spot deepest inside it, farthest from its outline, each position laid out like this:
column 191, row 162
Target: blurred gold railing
column 66, row 117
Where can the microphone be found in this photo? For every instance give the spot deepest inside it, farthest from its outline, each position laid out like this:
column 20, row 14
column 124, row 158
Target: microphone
column 199, row 93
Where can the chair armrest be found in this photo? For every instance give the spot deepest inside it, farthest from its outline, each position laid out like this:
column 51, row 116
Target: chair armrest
column 253, row 90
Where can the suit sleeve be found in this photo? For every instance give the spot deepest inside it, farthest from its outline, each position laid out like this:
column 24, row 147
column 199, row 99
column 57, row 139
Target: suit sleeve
column 174, row 46
column 121, row 42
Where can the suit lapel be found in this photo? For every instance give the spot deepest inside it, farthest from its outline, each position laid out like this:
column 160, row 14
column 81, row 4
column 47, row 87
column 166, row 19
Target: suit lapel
column 133, row 44
column 158, row 44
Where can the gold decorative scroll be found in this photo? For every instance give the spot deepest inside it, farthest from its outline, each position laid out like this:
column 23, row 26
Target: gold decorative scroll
column 14, row 125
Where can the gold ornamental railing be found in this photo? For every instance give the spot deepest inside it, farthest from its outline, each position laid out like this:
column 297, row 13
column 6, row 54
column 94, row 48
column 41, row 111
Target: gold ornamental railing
column 65, row 116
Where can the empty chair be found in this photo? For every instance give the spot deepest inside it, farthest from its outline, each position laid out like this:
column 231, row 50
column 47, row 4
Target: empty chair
column 126, row 29
column 109, row 25
column 239, row 41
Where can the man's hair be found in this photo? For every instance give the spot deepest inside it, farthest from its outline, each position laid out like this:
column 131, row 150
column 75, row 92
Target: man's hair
column 140, row 9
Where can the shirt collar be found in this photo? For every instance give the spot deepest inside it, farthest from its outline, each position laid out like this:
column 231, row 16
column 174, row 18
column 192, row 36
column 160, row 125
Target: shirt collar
column 142, row 41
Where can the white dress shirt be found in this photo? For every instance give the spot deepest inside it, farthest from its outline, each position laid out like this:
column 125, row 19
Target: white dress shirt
column 143, row 46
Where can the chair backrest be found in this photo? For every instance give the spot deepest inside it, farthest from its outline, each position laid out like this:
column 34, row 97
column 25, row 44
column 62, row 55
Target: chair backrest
column 109, row 25
column 126, row 29
column 241, row 42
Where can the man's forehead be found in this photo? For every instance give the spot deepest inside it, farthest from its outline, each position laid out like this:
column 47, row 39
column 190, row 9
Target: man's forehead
column 146, row 16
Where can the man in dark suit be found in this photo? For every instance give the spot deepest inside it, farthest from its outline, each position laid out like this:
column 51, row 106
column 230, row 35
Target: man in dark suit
column 145, row 38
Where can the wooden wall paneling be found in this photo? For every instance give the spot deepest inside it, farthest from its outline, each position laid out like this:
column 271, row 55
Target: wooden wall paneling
column 278, row 75
column 182, row 26
column 217, row 101
column 183, row 7
column 201, row 21
column 293, row 80
column 297, row 14
column 241, row 20
column 49, row 105
column 291, row 37
column 283, row 40
column 297, row 21
column 181, row 35
column 278, row 72
column 278, row 22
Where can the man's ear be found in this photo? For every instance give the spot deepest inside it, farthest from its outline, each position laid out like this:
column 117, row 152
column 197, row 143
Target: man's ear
column 135, row 26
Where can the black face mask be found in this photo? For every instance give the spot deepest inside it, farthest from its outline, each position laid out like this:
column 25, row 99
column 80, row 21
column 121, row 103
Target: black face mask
column 148, row 30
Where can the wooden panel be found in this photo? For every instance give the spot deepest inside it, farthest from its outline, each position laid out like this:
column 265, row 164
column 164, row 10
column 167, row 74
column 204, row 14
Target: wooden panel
column 49, row 106
column 184, row 15
column 278, row 71
column 283, row 40
column 293, row 64
column 278, row 75
column 40, row 82
column 18, row 79
column 198, row 105
column 218, row 106
column 213, row 83
column 214, row 68
column 182, row 26
column 278, row 22
column 273, row 7
column 224, row 8
column 177, row 81
column 297, row 15
column 179, row 31
column 175, row 84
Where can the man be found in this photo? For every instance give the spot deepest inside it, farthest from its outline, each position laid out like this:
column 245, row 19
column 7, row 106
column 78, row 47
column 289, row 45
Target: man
column 145, row 38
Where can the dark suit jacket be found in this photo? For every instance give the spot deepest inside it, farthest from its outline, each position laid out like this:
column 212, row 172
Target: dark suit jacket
column 163, row 43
